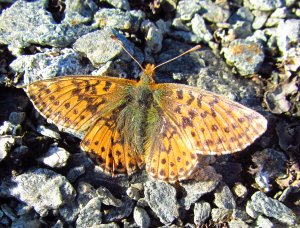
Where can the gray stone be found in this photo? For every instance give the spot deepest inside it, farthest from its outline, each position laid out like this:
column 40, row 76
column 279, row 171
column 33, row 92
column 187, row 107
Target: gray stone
column 242, row 14
column 48, row 64
column 260, row 18
column 271, row 165
column 141, row 217
column 107, row 198
column 240, row 190
column 17, row 117
column 75, row 172
column 161, row 198
column 1, row 214
column 55, row 157
column 196, row 189
column 220, row 214
column 214, row 13
column 242, row 29
column 118, row 213
column 187, row 8
column 90, row 215
column 99, row 47
column 154, row 36
column 8, row 211
column 133, row 193
column 6, row 143
column 263, row 5
column 118, row 19
column 120, row 4
column 26, row 221
column 35, row 25
column 246, row 56
column 43, row 130
column 262, row 221
column 40, row 188
column 287, row 32
column 237, row 224
column 6, row 128
column 199, row 28
column 224, row 198
column 186, row 37
column 272, row 208
column 250, row 210
column 201, row 212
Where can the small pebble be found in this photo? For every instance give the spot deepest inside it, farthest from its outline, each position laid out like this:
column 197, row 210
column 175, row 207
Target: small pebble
column 48, row 132
column 141, row 217
column 55, row 157
column 224, row 198
column 90, row 215
column 201, row 212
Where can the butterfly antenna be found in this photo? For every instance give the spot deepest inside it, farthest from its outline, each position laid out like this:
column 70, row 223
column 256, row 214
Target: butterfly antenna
column 188, row 51
column 121, row 44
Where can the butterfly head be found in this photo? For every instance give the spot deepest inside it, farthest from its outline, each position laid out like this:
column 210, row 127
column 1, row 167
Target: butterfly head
column 148, row 73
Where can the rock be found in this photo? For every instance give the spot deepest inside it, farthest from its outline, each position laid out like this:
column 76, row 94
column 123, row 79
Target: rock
column 120, row 4
column 220, row 214
column 118, row 213
column 199, row 28
column 8, row 212
column 237, row 224
column 55, row 157
column 42, row 189
column 34, row 25
column 161, row 198
column 99, row 47
column 75, row 172
column 118, row 19
column 262, row 221
column 240, row 190
column 242, row 14
column 271, row 165
column 26, row 221
column 246, row 56
column 133, row 193
column 6, row 128
column 17, row 117
column 141, row 217
column 231, row 171
column 107, row 198
column 201, row 212
column 214, row 13
column 196, row 189
column 272, row 208
column 224, row 198
column 90, row 215
column 263, row 5
column 154, row 36
column 48, row 132
column 186, row 37
column 260, row 18
column 6, row 143
column 187, row 8
column 50, row 63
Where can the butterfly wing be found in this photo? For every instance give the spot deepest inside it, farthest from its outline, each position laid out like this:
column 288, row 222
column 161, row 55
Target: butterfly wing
column 214, row 124
column 89, row 105
column 75, row 102
column 107, row 145
column 189, row 121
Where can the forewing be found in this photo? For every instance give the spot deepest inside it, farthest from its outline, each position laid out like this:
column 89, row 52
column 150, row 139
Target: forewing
column 75, row 102
column 211, row 124
column 107, row 146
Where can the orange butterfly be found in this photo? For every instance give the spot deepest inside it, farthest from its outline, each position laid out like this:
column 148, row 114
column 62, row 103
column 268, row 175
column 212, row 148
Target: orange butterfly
column 128, row 124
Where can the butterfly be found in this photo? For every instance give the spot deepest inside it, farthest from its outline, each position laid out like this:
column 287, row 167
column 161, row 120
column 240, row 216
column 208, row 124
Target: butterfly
column 130, row 124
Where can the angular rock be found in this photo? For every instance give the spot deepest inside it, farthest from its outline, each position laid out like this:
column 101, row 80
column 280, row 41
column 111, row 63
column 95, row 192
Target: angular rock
column 120, row 4
column 246, row 56
column 161, row 198
column 118, row 19
column 17, row 117
column 141, row 217
column 107, row 198
column 42, row 189
column 205, row 184
column 90, row 215
column 201, row 212
column 264, row 5
column 99, row 47
column 224, row 198
column 272, row 208
column 118, row 213
column 6, row 143
column 75, row 172
column 34, row 25
column 199, row 28
column 55, row 157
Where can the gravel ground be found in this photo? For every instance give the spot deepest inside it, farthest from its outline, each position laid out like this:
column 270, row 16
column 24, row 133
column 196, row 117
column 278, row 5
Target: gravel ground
column 250, row 53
